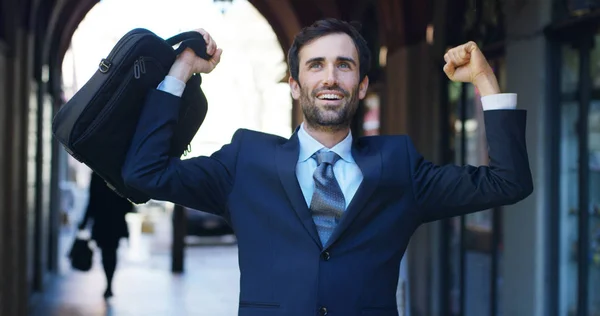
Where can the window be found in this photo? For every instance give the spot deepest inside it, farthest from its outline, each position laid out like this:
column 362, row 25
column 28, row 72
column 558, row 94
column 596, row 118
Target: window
column 578, row 218
column 475, row 240
column 472, row 245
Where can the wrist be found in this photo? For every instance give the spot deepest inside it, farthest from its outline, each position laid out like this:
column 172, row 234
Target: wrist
column 486, row 84
column 181, row 71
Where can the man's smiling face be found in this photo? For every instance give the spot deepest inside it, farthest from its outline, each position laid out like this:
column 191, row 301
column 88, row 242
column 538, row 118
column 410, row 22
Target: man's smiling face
column 328, row 85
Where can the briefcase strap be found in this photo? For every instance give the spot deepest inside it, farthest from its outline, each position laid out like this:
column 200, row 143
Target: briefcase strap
column 191, row 39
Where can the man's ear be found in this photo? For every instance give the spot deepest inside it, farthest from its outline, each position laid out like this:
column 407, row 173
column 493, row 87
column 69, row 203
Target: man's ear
column 363, row 87
column 294, row 88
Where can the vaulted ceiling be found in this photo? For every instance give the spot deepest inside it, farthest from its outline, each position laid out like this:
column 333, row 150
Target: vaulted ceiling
column 400, row 22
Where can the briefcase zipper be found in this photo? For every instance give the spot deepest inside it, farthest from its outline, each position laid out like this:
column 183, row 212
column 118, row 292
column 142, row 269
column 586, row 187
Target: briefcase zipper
column 139, row 67
column 187, row 150
column 106, row 63
column 124, row 41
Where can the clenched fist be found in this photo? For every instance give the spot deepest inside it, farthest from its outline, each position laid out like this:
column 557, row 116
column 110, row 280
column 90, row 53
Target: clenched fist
column 187, row 63
column 466, row 63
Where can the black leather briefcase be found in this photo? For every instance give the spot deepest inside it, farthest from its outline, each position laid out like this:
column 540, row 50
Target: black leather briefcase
column 96, row 126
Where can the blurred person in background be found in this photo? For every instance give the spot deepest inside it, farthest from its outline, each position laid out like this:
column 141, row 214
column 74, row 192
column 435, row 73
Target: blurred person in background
column 107, row 211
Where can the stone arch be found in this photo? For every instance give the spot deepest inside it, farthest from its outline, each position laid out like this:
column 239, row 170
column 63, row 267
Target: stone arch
column 282, row 17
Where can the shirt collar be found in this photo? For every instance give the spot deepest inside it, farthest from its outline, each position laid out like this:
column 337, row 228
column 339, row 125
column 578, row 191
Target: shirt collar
column 309, row 146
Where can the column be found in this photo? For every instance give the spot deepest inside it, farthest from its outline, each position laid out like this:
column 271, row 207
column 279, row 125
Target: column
column 524, row 223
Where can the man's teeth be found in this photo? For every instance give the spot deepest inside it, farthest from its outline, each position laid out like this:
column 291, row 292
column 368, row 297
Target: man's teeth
column 329, row 97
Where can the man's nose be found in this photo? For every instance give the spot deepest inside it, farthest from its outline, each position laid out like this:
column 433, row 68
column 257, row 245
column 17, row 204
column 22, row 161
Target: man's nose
column 330, row 77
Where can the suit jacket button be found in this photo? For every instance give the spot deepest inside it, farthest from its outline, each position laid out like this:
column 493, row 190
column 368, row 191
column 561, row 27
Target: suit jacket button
column 326, row 255
column 323, row 311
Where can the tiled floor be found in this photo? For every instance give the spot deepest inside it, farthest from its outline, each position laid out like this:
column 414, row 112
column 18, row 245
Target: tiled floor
column 145, row 286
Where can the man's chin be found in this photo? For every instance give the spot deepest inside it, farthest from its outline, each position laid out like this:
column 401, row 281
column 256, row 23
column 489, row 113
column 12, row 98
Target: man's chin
column 332, row 120
column 331, row 112
column 329, row 125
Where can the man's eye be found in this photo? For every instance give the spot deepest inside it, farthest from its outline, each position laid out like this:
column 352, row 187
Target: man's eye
column 344, row 65
column 315, row 65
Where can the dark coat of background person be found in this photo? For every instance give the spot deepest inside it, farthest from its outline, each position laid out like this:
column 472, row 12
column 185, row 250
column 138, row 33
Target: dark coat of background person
column 107, row 211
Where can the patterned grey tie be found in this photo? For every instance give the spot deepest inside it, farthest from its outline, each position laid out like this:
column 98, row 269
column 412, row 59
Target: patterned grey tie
column 328, row 203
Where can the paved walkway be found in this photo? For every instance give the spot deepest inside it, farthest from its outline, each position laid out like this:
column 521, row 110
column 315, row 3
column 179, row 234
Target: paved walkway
column 145, row 286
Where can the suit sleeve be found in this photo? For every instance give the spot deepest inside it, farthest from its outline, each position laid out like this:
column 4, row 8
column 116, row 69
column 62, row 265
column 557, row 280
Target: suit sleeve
column 450, row 190
column 201, row 183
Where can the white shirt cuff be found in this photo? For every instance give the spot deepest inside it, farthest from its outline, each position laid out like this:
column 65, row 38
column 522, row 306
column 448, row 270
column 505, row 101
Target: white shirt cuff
column 500, row 101
column 172, row 85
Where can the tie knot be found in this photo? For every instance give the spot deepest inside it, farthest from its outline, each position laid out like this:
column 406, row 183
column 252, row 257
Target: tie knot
column 329, row 157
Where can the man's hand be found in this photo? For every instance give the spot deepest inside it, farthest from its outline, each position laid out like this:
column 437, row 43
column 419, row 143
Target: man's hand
column 187, row 63
column 466, row 63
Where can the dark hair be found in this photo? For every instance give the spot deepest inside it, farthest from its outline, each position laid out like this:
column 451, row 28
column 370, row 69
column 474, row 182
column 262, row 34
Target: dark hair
column 325, row 27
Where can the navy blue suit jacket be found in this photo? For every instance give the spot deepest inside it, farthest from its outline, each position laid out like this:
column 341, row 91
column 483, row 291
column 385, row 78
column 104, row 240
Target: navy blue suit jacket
column 285, row 270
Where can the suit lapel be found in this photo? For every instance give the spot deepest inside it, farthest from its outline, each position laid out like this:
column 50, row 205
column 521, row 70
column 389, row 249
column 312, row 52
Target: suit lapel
column 369, row 162
column 287, row 158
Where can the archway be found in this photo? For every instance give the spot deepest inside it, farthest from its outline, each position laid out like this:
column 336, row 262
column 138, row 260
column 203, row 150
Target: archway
column 34, row 37
column 244, row 91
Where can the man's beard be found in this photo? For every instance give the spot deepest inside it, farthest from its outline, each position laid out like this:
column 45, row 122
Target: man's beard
column 328, row 118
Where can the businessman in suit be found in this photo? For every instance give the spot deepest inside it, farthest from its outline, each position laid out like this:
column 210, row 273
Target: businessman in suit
column 323, row 218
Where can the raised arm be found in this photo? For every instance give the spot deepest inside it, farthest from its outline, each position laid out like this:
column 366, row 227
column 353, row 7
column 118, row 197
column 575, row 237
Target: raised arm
column 201, row 183
column 446, row 191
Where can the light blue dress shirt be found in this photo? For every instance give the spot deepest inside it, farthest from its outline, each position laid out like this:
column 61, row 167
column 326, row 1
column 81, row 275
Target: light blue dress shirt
column 346, row 170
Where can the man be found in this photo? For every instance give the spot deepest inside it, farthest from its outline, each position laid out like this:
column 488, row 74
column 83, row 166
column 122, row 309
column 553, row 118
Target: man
column 323, row 219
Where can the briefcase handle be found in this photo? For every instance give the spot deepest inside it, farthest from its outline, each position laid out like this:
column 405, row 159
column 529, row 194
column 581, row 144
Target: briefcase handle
column 191, row 39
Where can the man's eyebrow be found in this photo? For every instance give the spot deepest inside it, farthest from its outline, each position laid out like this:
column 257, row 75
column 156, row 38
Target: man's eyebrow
column 315, row 59
column 341, row 58
column 347, row 59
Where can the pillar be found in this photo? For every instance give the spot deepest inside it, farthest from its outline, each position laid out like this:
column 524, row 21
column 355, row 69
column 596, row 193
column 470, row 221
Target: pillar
column 412, row 107
column 524, row 224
